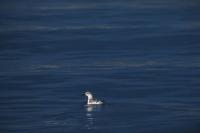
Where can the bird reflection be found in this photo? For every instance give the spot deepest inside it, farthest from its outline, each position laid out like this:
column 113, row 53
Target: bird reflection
column 91, row 111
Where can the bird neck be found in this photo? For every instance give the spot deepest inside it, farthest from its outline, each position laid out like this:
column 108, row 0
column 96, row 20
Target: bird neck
column 90, row 98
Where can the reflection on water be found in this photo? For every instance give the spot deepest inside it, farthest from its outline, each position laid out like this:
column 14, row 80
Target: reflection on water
column 93, row 108
column 91, row 112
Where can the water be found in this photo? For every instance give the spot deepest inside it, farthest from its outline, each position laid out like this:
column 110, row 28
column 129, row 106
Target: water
column 141, row 57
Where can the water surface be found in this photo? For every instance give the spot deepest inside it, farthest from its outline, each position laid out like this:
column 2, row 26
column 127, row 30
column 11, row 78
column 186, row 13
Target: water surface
column 140, row 56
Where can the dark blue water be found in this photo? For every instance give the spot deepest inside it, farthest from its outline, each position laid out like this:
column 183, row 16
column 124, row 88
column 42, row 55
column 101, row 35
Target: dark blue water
column 142, row 57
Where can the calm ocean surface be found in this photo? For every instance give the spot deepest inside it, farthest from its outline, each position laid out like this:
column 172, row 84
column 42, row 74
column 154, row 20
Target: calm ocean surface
column 142, row 57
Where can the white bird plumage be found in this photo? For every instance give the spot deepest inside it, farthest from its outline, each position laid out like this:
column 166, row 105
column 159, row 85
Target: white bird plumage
column 90, row 100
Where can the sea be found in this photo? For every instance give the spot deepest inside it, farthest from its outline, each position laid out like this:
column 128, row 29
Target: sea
column 141, row 57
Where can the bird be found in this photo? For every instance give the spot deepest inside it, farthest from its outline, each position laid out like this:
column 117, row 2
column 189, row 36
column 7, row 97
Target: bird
column 90, row 100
